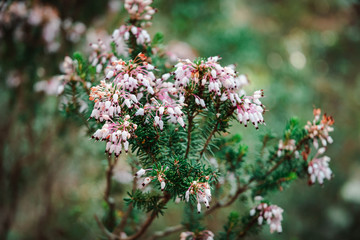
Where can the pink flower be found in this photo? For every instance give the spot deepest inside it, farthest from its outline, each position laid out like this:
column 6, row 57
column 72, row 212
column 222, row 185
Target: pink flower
column 272, row 214
column 202, row 192
column 319, row 129
column 318, row 168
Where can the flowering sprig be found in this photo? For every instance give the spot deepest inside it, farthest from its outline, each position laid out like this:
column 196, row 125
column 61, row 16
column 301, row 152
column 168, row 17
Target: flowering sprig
column 287, row 145
column 106, row 100
column 100, row 56
column 271, row 214
column 318, row 168
column 320, row 128
column 202, row 193
column 44, row 16
column 123, row 33
column 139, row 9
column 203, row 235
column 116, row 135
column 138, row 105
column 160, row 176
column 209, row 77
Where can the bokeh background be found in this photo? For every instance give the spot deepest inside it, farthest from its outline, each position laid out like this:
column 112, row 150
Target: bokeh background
column 304, row 54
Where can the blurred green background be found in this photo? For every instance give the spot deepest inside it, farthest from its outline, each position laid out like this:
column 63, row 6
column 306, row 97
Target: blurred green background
column 304, row 54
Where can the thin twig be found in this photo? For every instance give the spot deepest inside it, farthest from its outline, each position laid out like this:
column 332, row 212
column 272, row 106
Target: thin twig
column 108, row 234
column 265, row 141
column 219, row 205
column 190, row 124
column 107, row 198
column 166, row 232
column 148, row 222
column 287, row 156
column 231, row 111
column 209, row 138
column 239, row 191
column 119, row 229
column 247, row 228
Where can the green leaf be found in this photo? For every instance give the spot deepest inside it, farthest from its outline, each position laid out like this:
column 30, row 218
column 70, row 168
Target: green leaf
column 158, row 38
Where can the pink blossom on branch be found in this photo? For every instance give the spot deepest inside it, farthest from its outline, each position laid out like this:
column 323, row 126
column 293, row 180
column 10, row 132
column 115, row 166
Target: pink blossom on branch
column 223, row 83
column 318, row 168
column 319, row 128
column 202, row 192
column 271, row 214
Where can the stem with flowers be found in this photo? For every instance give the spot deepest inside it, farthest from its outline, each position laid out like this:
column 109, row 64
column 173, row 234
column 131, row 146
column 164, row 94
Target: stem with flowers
column 174, row 122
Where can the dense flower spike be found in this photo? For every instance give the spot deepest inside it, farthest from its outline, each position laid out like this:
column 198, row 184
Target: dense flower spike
column 272, row 214
column 202, row 192
column 319, row 128
column 223, row 83
column 318, row 168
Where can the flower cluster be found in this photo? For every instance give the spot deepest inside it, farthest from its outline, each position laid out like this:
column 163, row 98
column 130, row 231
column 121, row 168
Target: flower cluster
column 100, row 56
column 139, row 9
column 47, row 18
column 223, row 83
column 116, row 135
column 319, row 128
column 202, row 192
column 272, row 214
column 13, row 11
column 140, row 13
column 287, row 145
column 171, row 110
column 56, row 84
column 125, row 31
column 73, row 30
column 318, row 168
column 14, row 78
column 126, row 85
column 160, row 176
column 106, row 102
column 203, row 235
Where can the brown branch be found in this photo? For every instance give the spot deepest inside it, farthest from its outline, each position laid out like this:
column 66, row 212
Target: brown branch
column 149, row 220
column 108, row 234
column 166, row 232
column 287, row 156
column 218, row 205
column 247, row 228
column 147, row 151
column 231, row 111
column 230, row 201
column 190, row 124
column 110, row 202
column 119, row 229
column 239, row 191
column 209, row 139
column 246, row 187
column 265, row 141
